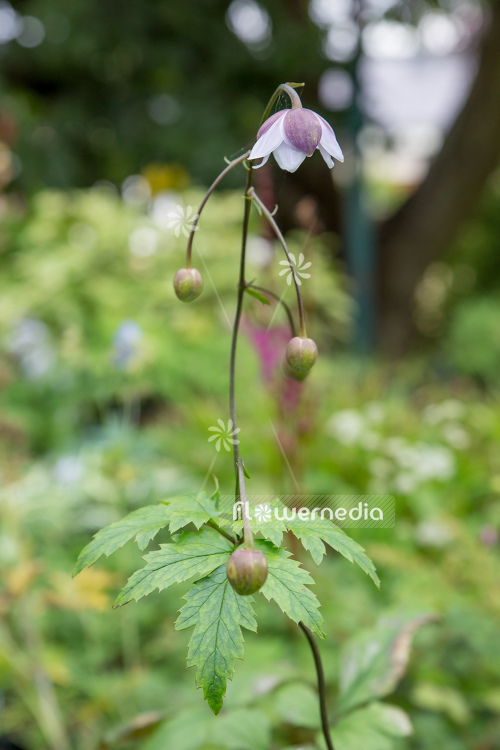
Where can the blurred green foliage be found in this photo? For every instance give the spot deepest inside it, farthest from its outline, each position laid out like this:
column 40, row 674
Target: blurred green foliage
column 109, row 385
column 101, row 100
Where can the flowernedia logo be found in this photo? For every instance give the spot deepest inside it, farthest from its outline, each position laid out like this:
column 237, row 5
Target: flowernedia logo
column 367, row 511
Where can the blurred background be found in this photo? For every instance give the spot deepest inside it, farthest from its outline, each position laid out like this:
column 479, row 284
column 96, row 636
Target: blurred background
column 114, row 118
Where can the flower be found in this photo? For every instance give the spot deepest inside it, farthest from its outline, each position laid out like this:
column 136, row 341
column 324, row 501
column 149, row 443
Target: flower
column 293, row 134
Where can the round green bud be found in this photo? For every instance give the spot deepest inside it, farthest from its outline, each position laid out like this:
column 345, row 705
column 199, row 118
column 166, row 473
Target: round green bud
column 246, row 570
column 188, row 284
column 301, row 354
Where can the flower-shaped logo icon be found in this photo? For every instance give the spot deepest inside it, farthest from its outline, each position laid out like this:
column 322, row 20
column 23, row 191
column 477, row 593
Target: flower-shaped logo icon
column 263, row 513
column 300, row 267
column 225, row 436
column 182, row 220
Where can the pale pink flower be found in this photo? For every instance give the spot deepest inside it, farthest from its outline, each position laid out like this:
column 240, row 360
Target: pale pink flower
column 293, row 134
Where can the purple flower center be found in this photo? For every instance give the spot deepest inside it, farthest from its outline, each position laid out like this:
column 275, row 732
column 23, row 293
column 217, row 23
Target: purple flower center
column 303, row 130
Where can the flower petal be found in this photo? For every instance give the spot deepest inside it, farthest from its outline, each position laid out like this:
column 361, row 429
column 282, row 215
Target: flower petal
column 328, row 140
column 258, row 166
column 270, row 120
column 288, row 157
column 302, row 130
column 326, row 156
column 270, row 140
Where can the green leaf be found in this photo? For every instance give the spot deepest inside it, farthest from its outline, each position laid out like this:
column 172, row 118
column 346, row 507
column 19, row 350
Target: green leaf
column 286, row 584
column 142, row 524
column 241, row 729
column 192, row 554
column 375, row 727
column 433, row 696
column 217, row 613
column 262, row 520
column 196, row 509
column 374, row 661
column 297, row 704
column 312, row 534
column 257, row 295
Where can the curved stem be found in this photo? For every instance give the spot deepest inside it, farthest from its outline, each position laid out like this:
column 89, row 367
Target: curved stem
column 321, row 684
column 209, row 192
column 287, row 88
column 302, row 323
column 295, row 99
column 236, row 326
column 280, row 301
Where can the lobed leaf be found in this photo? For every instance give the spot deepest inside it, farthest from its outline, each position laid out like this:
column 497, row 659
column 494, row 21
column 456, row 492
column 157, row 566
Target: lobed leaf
column 312, row 534
column 142, row 524
column 191, row 554
column 287, row 585
column 217, row 613
column 196, row 509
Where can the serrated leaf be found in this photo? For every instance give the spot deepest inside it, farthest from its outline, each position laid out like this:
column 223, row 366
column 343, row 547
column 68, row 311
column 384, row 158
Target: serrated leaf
column 374, row 661
column 142, row 524
column 192, row 554
column 287, row 584
column 196, row 509
column 375, row 727
column 217, row 613
column 263, row 520
column 257, row 295
column 313, row 533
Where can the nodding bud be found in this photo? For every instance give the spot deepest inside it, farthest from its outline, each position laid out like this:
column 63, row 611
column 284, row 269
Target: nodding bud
column 301, row 354
column 188, row 284
column 246, row 570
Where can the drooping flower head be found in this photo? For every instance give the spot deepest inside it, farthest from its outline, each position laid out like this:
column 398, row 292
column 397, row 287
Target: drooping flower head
column 293, row 134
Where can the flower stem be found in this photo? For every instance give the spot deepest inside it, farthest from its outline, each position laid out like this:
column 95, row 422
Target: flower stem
column 281, row 302
column 238, row 465
column 236, row 326
column 209, row 192
column 253, row 195
column 287, row 88
column 321, row 684
column 247, row 530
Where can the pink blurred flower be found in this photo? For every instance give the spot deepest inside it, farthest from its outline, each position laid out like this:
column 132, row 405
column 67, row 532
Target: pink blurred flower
column 270, row 346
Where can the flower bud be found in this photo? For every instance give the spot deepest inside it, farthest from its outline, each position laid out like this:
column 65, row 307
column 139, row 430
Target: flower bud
column 188, row 284
column 246, row 570
column 301, row 354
